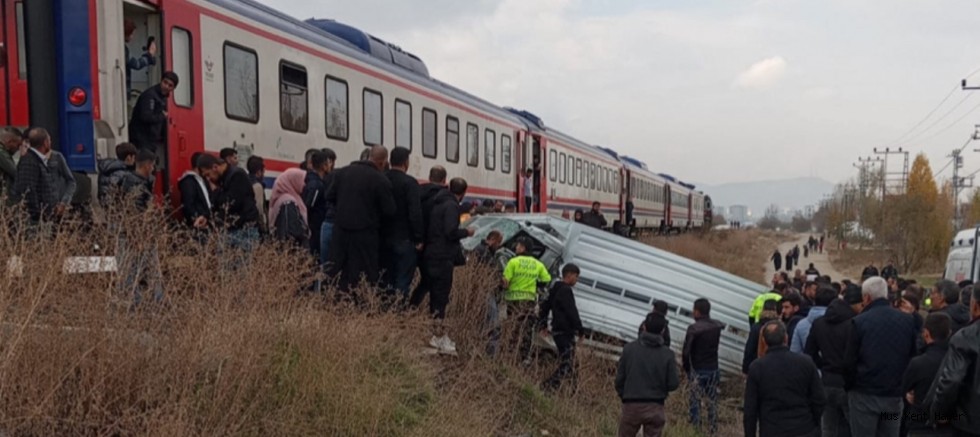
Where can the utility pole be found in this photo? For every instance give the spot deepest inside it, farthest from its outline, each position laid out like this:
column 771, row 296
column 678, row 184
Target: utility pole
column 897, row 181
column 959, row 183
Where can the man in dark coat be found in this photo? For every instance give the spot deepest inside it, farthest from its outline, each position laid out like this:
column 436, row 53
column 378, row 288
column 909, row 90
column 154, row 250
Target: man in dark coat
column 645, row 376
column 783, row 393
column 945, row 298
column 594, row 217
column 955, row 393
column 826, row 345
column 442, row 253
column 234, row 206
column 922, row 371
column 565, row 324
column 34, row 184
column 362, row 195
column 148, row 126
column 315, row 194
column 403, row 231
column 777, row 260
column 881, row 343
column 195, row 191
column 111, row 170
column 700, row 361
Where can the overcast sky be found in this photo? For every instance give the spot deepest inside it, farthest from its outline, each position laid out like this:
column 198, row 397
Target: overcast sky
column 712, row 91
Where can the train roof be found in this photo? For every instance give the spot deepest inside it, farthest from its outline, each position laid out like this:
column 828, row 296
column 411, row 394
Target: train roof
column 351, row 42
column 633, row 162
column 383, row 50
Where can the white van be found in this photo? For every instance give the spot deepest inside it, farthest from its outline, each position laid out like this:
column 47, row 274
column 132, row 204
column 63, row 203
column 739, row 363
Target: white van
column 961, row 264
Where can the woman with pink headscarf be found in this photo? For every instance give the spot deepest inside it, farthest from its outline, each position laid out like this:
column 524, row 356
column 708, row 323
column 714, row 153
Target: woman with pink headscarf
column 287, row 213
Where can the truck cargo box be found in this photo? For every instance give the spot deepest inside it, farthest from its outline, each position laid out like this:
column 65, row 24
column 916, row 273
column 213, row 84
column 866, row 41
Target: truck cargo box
column 621, row 279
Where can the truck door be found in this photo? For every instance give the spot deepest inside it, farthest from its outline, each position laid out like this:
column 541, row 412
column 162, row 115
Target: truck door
column 13, row 65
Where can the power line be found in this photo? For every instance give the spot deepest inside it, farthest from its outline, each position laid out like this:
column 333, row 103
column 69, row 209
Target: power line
column 916, row 137
column 940, row 105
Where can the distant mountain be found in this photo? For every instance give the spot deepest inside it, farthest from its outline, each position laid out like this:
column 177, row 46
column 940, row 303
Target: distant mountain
column 758, row 196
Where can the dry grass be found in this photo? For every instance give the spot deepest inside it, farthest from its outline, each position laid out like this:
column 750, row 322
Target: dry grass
column 742, row 253
column 246, row 352
column 852, row 261
column 239, row 353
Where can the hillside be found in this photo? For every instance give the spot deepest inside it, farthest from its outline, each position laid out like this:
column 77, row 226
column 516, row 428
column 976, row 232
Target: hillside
column 788, row 193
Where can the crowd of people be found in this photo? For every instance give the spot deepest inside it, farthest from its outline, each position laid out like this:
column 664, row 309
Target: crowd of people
column 841, row 359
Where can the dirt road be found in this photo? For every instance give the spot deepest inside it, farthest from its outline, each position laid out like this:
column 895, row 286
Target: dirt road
column 819, row 260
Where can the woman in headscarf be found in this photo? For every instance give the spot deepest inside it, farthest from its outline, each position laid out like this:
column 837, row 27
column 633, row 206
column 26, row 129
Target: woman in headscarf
column 287, row 212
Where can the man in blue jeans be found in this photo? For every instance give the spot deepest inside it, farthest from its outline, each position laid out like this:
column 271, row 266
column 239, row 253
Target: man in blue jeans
column 403, row 232
column 700, row 360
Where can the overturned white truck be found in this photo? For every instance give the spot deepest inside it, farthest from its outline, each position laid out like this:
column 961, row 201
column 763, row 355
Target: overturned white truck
column 621, row 278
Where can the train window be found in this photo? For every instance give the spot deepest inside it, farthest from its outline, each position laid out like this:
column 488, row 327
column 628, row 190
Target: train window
column 429, row 135
column 21, row 41
column 592, row 177
column 607, row 179
column 452, row 139
column 553, row 165
column 561, row 167
column 570, row 170
column 403, row 124
column 182, row 58
column 241, row 83
column 373, row 117
column 472, row 145
column 579, row 172
column 505, row 159
column 490, row 149
column 294, row 102
column 337, row 113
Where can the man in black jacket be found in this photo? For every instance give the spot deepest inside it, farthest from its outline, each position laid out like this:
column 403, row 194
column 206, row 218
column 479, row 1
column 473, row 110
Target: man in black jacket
column 700, row 360
column 34, row 184
column 139, row 259
column 403, row 231
column 790, row 308
column 362, row 195
column 429, row 192
column 148, row 126
column 659, row 307
column 594, row 217
column 645, row 376
column 945, row 298
column 315, row 194
column 195, row 191
column 112, row 170
column 955, row 393
column 484, row 254
column 826, row 345
column 235, row 207
column 783, row 393
column 922, row 371
column 880, row 345
column 565, row 324
column 441, row 254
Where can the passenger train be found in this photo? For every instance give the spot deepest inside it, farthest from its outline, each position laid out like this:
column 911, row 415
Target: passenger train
column 264, row 83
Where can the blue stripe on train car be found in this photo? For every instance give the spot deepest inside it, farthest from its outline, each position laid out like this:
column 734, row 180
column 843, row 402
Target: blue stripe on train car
column 73, row 51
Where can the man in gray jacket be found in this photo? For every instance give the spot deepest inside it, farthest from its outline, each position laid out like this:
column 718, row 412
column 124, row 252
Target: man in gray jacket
column 647, row 372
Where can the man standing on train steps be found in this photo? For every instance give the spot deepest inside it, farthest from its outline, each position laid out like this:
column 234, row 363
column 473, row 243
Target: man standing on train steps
column 362, row 195
column 148, row 126
column 528, row 191
column 404, row 235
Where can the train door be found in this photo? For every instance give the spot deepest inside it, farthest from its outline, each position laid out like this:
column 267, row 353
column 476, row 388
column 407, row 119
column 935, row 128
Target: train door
column 531, row 157
column 538, row 160
column 185, row 132
column 13, row 65
column 668, row 209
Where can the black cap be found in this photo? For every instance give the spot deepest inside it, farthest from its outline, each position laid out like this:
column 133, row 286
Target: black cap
column 853, row 295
